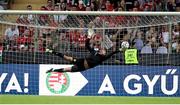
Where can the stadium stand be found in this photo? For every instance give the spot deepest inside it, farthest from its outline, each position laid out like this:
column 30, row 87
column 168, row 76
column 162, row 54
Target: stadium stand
column 5, row 4
column 139, row 41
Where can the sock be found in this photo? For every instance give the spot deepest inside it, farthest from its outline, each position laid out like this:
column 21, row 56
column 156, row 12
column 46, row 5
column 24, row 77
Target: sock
column 59, row 70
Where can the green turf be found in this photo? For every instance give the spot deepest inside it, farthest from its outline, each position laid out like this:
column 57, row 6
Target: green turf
column 10, row 99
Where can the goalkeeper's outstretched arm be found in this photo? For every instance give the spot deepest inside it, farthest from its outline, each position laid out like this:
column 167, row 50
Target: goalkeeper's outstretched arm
column 87, row 45
column 80, row 64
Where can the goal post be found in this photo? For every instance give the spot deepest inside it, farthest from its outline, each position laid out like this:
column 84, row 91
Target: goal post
column 25, row 36
column 124, row 13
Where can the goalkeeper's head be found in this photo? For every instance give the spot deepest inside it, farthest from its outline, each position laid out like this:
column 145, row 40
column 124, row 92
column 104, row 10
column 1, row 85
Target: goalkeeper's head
column 97, row 39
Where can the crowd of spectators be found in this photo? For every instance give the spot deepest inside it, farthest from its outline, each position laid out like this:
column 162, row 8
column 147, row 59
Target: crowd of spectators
column 154, row 39
column 117, row 5
column 5, row 4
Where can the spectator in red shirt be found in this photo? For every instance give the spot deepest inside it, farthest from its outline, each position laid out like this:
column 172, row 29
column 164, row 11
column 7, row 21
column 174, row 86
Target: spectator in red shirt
column 150, row 6
column 30, row 31
column 100, row 4
column 93, row 6
column 135, row 9
column 73, row 36
column 43, row 18
column 88, row 8
column 146, row 8
column 40, row 46
column 49, row 6
column 136, row 6
column 178, row 47
column 1, row 42
column 63, row 6
column 109, row 6
column 73, row 8
column 81, row 6
column 81, row 41
column 52, row 21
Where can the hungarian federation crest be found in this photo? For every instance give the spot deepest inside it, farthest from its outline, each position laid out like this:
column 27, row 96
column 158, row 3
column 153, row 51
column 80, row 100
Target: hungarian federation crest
column 57, row 83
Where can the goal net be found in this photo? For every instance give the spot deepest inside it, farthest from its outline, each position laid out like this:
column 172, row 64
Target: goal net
column 25, row 36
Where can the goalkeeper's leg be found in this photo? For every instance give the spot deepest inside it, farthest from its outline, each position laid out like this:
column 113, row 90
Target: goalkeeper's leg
column 67, row 58
column 77, row 67
column 74, row 68
column 68, row 69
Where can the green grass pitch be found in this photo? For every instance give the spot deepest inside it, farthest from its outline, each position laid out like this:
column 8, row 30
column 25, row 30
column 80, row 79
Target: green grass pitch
column 21, row 99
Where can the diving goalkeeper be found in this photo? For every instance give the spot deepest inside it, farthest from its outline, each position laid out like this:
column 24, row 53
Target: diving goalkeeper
column 96, row 57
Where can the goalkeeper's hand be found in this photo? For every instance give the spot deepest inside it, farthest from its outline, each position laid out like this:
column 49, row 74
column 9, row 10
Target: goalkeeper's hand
column 90, row 33
column 49, row 50
column 122, row 49
column 90, row 30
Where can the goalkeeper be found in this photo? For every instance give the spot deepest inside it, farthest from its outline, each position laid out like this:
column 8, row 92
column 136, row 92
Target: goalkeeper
column 96, row 57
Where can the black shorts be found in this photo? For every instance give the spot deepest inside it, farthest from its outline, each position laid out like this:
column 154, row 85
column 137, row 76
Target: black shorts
column 78, row 65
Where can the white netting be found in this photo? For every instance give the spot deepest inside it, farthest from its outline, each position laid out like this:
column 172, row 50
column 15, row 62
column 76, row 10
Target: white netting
column 66, row 31
column 63, row 20
column 26, row 35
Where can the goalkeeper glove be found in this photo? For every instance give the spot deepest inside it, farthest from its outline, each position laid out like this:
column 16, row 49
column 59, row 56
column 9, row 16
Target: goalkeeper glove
column 50, row 70
column 90, row 33
column 49, row 50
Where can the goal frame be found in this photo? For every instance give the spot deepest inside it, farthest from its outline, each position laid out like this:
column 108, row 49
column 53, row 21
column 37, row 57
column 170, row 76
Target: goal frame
column 124, row 13
column 104, row 13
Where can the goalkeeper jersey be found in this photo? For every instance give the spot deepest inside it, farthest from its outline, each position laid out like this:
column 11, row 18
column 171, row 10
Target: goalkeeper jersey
column 94, row 58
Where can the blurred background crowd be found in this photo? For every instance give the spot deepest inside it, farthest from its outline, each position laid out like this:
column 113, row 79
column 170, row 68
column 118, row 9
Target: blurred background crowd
column 104, row 5
column 152, row 39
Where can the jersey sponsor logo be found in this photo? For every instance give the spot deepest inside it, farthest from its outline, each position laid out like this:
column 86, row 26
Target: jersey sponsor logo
column 57, row 83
